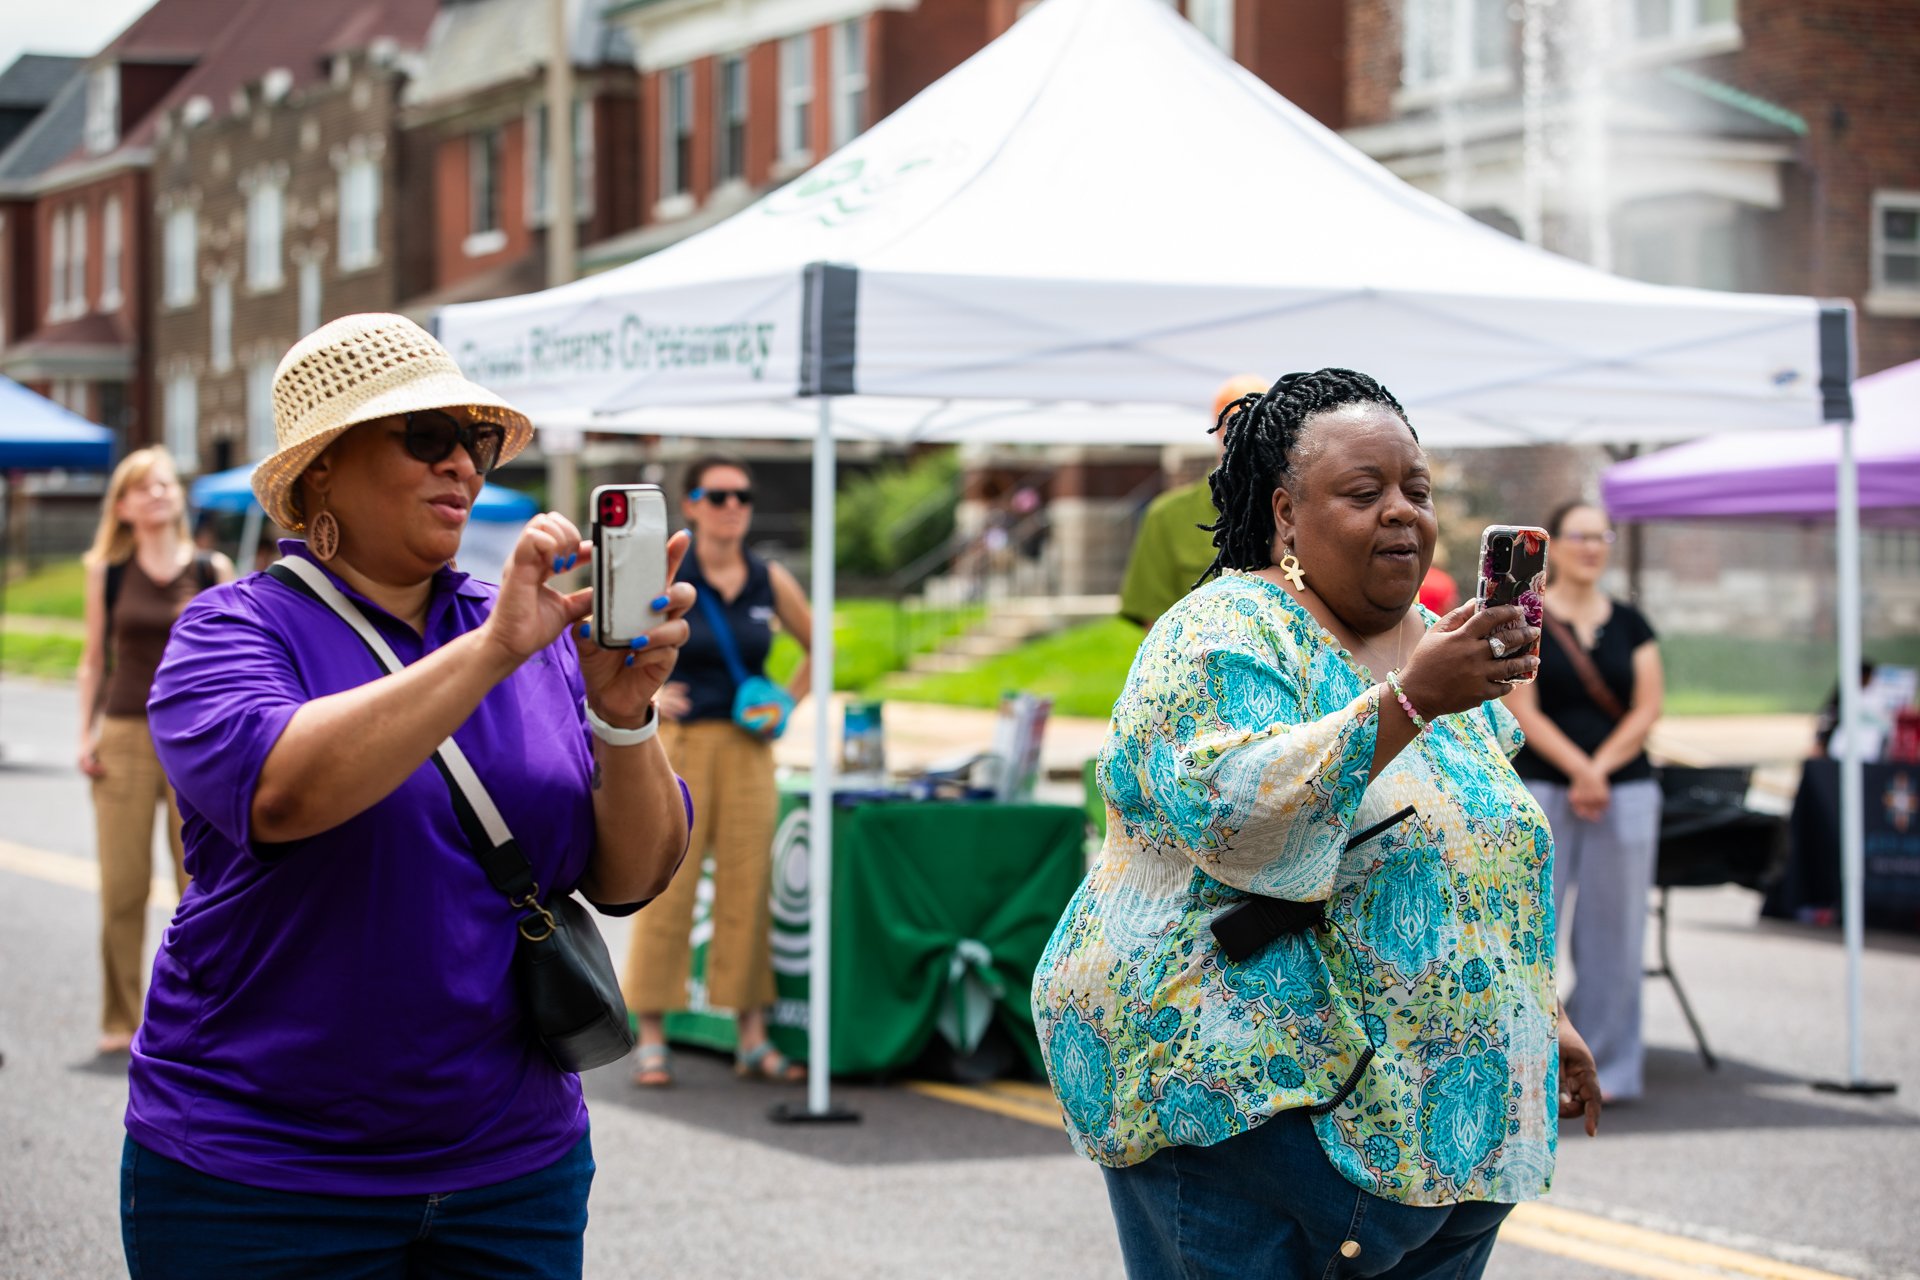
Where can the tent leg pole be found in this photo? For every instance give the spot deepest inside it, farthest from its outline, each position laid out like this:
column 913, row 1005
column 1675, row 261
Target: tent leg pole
column 1852, row 778
column 250, row 530
column 820, row 803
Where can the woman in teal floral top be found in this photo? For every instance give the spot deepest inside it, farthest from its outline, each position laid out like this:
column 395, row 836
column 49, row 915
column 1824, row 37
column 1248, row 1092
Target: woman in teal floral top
column 1271, row 716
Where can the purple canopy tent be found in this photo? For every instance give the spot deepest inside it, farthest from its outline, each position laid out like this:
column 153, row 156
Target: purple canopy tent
column 1866, row 470
column 1786, row 474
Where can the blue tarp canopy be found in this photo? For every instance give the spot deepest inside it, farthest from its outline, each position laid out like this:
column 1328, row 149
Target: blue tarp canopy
column 36, row 434
column 233, row 491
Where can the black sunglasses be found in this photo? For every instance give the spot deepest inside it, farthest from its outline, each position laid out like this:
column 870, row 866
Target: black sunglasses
column 431, row 435
column 721, row 497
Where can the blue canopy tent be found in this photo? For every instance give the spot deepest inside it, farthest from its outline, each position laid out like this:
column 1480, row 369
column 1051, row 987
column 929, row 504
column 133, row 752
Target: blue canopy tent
column 232, row 491
column 38, row 435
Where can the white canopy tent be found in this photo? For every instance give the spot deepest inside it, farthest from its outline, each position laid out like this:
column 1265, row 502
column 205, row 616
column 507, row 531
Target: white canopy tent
column 1076, row 236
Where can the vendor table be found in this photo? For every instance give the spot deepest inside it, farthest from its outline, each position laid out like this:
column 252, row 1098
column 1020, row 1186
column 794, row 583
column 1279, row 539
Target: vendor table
column 940, row 912
column 1892, row 819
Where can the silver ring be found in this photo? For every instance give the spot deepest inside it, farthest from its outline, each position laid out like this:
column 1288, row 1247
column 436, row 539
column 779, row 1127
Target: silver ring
column 1498, row 646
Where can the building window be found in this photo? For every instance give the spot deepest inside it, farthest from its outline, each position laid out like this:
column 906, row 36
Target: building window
column 676, row 131
column 57, row 266
column 849, row 80
column 1896, row 243
column 359, row 213
column 266, row 208
column 220, row 322
column 1663, row 20
column 309, row 296
column 3, row 282
column 730, row 120
column 111, row 247
column 182, row 247
column 539, row 172
column 260, row 440
column 1214, row 18
column 484, row 234
column 183, row 421
column 1450, row 42
column 77, row 260
column 103, row 109
column 796, row 99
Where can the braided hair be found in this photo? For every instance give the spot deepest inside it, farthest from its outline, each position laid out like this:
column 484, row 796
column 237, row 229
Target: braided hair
column 1261, row 432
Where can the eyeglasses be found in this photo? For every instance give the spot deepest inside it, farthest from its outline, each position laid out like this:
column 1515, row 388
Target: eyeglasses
column 721, row 497
column 431, row 435
column 1591, row 539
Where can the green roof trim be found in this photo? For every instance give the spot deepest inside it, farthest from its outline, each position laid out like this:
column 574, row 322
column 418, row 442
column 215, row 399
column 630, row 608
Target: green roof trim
column 1706, row 87
column 614, row 8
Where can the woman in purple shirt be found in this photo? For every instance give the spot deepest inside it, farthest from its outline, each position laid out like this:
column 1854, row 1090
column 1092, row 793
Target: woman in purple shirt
column 335, row 1076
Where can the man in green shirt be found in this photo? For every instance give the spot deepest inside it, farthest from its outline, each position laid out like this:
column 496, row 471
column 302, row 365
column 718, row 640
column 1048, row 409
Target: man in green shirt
column 1172, row 550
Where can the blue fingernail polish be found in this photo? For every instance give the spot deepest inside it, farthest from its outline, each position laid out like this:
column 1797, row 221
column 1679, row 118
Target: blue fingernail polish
column 556, row 564
column 585, row 629
column 573, row 560
column 629, row 659
column 641, row 642
column 659, row 603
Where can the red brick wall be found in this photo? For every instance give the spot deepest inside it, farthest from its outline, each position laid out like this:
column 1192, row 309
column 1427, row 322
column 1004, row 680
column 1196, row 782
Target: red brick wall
column 908, row 50
column 1372, row 60
column 1848, row 68
column 763, row 112
column 1300, row 49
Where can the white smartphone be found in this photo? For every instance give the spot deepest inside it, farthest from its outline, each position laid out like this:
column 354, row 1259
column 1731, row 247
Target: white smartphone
column 629, row 561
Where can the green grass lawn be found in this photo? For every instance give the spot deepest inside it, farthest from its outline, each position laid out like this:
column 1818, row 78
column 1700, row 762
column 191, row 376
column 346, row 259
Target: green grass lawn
column 1082, row 669
column 52, row 657
column 56, row 590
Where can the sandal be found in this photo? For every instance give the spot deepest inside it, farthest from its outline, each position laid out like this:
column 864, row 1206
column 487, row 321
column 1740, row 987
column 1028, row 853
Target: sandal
column 765, row 1063
column 653, row 1069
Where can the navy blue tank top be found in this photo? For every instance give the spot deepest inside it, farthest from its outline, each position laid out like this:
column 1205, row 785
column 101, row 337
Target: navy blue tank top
column 749, row 616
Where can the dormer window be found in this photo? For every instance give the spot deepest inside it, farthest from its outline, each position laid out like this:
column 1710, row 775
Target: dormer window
column 103, row 109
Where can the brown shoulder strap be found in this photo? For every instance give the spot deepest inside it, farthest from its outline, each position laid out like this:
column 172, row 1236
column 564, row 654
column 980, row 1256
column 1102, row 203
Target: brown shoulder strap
column 1583, row 667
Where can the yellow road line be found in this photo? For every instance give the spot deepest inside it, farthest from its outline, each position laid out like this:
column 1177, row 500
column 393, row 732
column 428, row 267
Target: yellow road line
column 1607, row 1233
column 1623, row 1261
column 74, row 873
column 1567, row 1233
column 1048, row 1117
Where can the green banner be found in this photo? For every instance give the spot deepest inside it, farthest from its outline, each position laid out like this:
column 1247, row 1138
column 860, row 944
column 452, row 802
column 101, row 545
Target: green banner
column 940, row 914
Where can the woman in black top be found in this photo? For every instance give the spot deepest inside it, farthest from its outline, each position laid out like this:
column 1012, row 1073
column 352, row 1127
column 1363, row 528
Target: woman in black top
column 1585, row 762
column 729, row 772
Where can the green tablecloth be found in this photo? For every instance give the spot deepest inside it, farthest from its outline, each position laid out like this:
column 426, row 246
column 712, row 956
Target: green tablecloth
column 940, row 912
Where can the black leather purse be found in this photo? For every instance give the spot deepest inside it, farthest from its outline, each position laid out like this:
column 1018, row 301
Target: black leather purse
column 566, row 980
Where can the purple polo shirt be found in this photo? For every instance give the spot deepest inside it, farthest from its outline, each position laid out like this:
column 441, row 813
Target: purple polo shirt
column 338, row 1014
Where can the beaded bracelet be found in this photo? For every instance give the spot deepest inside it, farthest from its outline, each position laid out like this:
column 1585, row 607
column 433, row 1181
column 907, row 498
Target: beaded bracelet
column 1406, row 703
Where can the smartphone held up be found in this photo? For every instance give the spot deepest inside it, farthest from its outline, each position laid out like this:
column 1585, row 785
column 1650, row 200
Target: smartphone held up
column 1513, row 570
column 629, row 561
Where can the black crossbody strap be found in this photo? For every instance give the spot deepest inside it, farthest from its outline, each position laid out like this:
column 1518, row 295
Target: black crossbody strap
column 493, row 844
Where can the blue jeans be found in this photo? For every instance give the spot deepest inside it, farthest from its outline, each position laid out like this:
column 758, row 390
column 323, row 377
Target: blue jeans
column 179, row 1222
column 1269, row 1203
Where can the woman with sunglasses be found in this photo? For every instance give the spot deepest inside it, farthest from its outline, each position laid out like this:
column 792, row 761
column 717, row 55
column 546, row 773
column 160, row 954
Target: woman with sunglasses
column 334, row 1041
column 728, row 766
column 1587, row 718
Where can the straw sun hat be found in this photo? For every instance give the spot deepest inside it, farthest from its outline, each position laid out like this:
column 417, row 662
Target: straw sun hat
column 353, row 370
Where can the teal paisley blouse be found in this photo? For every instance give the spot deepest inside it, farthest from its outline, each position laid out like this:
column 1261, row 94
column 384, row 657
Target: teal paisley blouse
column 1238, row 763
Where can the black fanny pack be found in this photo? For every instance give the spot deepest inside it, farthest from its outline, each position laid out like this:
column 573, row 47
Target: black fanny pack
column 561, row 965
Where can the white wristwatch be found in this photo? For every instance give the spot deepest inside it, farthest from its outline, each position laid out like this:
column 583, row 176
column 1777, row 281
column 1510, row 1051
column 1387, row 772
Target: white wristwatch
column 623, row 737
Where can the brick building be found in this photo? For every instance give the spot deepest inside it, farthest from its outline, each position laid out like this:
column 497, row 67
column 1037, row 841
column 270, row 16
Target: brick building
column 1754, row 145
column 475, row 114
column 279, row 203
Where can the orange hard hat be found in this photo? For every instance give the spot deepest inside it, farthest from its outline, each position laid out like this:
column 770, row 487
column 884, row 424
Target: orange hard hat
column 1244, row 384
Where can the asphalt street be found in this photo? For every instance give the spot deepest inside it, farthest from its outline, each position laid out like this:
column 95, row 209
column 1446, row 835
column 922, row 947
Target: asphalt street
column 1742, row 1172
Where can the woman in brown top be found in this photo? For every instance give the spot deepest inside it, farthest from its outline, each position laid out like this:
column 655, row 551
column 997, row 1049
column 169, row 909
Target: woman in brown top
column 141, row 571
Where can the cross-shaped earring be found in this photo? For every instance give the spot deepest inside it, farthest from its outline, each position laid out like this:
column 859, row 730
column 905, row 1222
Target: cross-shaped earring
column 1291, row 571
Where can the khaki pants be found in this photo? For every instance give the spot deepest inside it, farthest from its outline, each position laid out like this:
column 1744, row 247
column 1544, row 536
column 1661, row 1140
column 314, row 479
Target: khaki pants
column 123, row 806
column 735, row 806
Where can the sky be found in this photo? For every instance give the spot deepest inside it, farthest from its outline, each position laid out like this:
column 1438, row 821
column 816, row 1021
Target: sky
column 62, row 26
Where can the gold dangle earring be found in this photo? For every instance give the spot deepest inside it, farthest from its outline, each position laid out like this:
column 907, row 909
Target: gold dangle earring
column 1290, row 569
column 323, row 535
